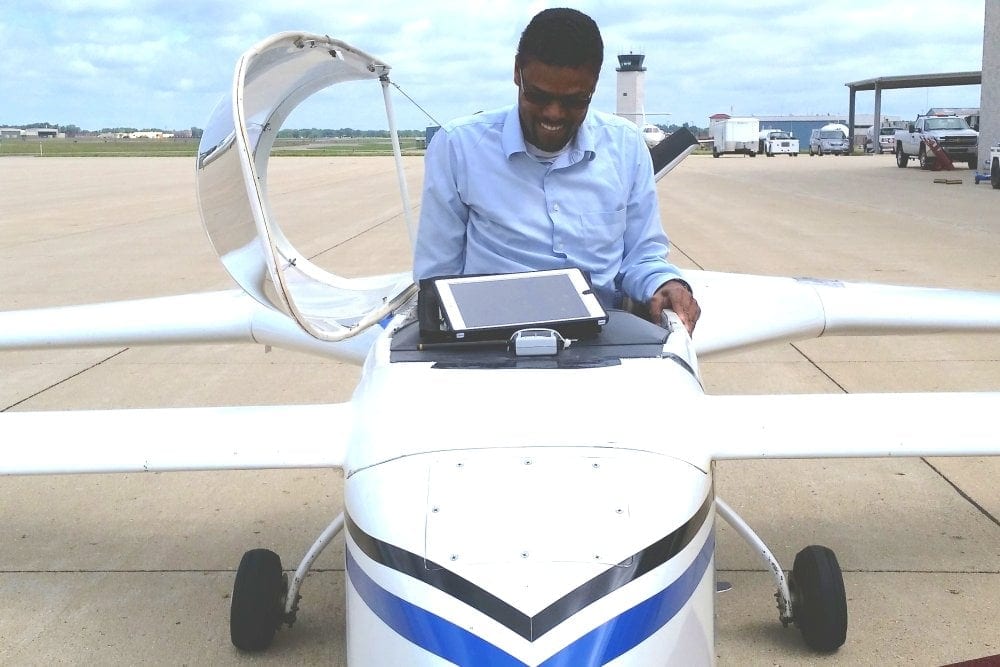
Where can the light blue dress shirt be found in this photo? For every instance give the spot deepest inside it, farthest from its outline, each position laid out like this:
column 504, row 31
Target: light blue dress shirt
column 490, row 207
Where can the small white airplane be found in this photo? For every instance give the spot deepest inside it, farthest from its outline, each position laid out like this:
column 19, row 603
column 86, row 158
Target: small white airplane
column 652, row 134
column 607, row 554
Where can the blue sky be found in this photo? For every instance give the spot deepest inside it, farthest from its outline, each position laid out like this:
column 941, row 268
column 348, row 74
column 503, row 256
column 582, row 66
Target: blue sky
column 153, row 63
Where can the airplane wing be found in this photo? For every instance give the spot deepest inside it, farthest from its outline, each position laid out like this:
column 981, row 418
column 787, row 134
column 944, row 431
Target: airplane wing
column 740, row 311
column 850, row 425
column 173, row 439
column 230, row 316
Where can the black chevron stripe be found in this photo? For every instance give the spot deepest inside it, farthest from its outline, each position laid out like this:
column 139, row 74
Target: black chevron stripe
column 530, row 627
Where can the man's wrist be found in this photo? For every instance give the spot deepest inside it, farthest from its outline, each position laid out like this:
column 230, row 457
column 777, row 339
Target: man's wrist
column 683, row 283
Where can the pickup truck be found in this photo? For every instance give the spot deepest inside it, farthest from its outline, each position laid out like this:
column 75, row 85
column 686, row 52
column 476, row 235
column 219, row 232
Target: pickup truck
column 954, row 135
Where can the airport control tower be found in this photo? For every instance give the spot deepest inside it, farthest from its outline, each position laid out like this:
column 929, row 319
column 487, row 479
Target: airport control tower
column 631, row 87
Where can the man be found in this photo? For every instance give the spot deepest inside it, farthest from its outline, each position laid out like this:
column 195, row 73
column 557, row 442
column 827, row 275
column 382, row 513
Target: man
column 548, row 183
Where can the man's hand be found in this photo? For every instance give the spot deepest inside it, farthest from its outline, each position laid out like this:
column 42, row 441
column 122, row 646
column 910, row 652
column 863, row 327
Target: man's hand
column 675, row 295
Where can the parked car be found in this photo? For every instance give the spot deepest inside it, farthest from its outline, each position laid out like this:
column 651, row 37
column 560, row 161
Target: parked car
column 831, row 138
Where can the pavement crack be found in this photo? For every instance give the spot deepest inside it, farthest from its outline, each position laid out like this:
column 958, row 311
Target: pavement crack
column 819, row 368
column 686, row 256
column 982, row 510
column 65, row 379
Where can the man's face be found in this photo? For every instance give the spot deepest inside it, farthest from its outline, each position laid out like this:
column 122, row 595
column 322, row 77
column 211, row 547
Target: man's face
column 552, row 102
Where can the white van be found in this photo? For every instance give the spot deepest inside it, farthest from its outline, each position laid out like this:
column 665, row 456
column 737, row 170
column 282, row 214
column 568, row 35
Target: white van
column 831, row 138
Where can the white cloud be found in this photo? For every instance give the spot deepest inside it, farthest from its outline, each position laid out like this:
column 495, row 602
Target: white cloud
column 784, row 56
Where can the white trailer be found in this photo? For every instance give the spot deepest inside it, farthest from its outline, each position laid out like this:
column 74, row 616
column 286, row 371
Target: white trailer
column 735, row 135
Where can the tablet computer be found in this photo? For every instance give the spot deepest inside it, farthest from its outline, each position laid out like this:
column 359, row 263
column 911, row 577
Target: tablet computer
column 495, row 306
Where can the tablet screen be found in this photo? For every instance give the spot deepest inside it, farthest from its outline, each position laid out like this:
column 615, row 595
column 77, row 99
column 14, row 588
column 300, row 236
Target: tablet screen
column 485, row 302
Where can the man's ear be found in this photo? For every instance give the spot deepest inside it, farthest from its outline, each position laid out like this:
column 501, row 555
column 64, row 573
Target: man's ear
column 517, row 73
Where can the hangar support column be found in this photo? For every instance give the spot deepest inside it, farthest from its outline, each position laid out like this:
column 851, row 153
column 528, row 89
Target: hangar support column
column 850, row 125
column 989, row 93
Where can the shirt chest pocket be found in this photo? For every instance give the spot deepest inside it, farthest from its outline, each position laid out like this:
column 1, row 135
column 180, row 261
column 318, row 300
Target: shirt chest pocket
column 596, row 239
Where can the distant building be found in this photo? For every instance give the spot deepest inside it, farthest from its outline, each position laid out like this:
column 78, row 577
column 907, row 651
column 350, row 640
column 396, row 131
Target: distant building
column 148, row 135
column 44, row 133
column 31, row 133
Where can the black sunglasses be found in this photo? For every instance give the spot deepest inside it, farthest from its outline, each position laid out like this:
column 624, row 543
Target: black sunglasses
column 543, row 99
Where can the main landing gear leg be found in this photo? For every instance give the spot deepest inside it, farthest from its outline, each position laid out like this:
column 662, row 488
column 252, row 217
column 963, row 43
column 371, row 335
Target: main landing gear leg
column 812, row 596
column 263, row 597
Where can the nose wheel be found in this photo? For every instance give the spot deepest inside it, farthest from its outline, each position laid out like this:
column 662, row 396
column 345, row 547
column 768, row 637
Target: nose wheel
column 258, row 604
column 263, row 596
column 811, row 596
column 819, row 602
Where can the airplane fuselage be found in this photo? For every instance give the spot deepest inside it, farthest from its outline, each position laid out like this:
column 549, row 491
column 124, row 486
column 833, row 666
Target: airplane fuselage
column 602, row 554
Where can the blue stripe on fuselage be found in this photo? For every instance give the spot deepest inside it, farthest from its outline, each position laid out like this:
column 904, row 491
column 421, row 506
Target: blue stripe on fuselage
column 426, row 630
column 599, row 646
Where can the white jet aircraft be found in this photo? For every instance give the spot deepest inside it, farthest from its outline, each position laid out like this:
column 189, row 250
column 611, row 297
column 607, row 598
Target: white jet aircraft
column 606, row 556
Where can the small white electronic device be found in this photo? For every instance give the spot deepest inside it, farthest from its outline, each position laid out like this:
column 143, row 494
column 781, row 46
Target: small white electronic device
column 536, row 342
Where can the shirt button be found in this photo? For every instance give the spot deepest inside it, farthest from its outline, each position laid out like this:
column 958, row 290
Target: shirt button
column 555, row 209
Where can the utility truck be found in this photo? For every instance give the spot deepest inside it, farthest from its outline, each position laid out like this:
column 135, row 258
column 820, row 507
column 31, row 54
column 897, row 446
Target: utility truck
column 927, row 135
column 735, row 135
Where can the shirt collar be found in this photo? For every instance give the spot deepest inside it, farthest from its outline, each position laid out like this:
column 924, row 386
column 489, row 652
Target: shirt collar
column 512, row 141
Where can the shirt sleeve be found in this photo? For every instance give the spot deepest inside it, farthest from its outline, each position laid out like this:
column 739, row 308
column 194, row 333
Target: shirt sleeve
column 644, row 267
column 440, row 244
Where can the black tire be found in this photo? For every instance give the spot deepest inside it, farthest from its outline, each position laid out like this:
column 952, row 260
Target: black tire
column 257, row 608
column 715, row 152
column 901, row 159
column 972, row 163
column 995, row 174
column 819, row 603
column 926, row 162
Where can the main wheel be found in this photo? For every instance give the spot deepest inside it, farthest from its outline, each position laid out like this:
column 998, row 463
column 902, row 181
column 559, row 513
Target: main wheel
column 819, row 603
column 258, row 604
column 901, row 158
column 995, row 174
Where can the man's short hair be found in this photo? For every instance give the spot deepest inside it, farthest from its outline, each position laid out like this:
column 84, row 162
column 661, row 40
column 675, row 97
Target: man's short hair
column 562, row 37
